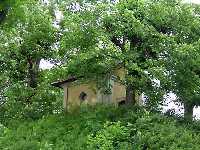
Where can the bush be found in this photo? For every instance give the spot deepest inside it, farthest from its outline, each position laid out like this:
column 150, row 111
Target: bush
column 112, row 136
column 105, row 128
column 23, row 103
column 2, row 129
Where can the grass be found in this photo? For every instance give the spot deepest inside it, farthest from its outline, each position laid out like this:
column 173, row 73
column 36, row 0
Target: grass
column 101, row 127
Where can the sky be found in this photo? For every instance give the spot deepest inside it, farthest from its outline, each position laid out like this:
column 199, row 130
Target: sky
column 192, row 1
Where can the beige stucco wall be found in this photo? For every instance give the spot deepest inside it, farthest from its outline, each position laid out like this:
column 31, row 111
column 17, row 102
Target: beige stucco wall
column 74, row 91
column 120, row 72
column 119, row 92
column 65, row 96
column 105, row 98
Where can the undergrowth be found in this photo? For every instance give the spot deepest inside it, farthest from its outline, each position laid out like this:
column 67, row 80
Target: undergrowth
column 101, row 127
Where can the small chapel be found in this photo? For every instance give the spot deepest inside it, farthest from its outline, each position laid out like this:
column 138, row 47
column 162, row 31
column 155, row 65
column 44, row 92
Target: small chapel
column 78, row 92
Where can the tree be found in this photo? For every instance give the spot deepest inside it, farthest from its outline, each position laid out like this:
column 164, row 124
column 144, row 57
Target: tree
column 141, row 35
column 182, row 67
column 150, row 39
column 112, row 35
column 4, row 6
column 27, row 37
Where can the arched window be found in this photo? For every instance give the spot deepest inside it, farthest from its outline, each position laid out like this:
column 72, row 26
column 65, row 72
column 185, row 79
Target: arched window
column 83, row 96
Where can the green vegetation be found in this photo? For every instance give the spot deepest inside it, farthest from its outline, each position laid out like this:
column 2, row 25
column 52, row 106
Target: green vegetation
column 105, row 128
column 154, row 40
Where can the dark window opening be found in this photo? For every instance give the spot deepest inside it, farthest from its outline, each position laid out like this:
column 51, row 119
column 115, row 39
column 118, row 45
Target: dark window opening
column 83, row 96
column 121, row 103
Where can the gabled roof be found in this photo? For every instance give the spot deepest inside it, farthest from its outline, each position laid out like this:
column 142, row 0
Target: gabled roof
column 72, row 79
column 61, row 82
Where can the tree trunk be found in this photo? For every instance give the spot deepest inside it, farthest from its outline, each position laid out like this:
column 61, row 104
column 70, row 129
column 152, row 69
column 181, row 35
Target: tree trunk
column 130, row 95
column 3, row 14
column 33, row 72
column 188, row 111
column 130, row 90
column 134, row 42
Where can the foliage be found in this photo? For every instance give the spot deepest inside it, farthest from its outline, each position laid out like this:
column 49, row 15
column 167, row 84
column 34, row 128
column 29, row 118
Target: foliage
column 102, row 127
column 146, row 37
column 112, row 136
column 152, row 40
column 27, row 36
column 183, row 73
column 23, row 102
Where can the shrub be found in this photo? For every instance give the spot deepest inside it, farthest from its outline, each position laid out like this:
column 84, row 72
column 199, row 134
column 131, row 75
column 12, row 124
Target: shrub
column 112, row 136
column 102, row 127
column 23, row 103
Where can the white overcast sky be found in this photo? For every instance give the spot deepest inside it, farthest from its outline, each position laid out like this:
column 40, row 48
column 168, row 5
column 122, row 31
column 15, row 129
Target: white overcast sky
column 192, row 1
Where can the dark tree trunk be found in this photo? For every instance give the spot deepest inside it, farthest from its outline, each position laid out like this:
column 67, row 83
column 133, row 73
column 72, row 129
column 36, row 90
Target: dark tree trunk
column 130, row 95
column 134, row 42
column 33, row 72
column 3, row 14
column 188, row 111
column 130, row 90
